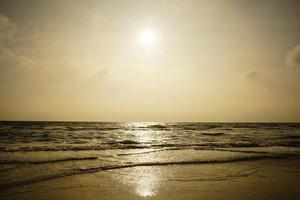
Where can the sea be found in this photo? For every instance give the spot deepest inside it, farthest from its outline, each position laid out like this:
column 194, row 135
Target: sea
column 35, row 152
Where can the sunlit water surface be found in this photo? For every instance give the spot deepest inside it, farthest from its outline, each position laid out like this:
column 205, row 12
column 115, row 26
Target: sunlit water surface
column 34, row 152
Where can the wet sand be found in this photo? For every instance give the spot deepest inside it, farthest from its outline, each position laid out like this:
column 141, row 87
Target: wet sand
column 264, row 179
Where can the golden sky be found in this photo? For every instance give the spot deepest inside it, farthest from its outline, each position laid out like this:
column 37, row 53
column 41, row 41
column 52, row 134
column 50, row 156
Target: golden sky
column 155, row 60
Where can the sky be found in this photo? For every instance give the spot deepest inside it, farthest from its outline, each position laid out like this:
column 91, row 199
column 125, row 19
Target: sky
column 155, row 60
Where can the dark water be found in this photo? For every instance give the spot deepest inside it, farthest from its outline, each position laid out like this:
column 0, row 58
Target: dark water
column 33, row 152
column 76, row 136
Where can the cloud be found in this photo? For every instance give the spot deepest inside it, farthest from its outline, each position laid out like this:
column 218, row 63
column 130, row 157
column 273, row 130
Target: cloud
column 7, row 29
column 7, row 35
column 253, row 74
column 32, row 59
column 293, row 57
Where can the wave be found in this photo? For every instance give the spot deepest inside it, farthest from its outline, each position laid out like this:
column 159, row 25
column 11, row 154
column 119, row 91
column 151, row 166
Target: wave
column 93, row 128
column 197, row 126
column 159, row 126
column 130, row 144
column 236, row 175
column 214, row 134
column 47, row 161
column 94, row 169
column 296, row 137
column 212, row 145
column 9, row 169
column 68, row 148
column 146, row 152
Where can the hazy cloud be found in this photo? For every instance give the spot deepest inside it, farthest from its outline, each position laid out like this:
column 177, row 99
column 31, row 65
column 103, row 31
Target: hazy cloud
column 253, row 74
column 31, row 59
column 293, row 57
column 7, row 29
column 7, row 33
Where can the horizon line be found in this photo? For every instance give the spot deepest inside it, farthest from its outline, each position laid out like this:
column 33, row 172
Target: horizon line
column 113, row 121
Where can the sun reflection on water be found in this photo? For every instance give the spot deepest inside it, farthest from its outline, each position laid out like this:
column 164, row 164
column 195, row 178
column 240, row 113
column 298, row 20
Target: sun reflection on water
column 144, row 179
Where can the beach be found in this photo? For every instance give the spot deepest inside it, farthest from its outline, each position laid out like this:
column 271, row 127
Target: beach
column 265, row 179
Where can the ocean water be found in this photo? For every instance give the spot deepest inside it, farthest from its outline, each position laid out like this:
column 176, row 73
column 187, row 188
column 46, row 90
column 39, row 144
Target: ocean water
column 34, row 152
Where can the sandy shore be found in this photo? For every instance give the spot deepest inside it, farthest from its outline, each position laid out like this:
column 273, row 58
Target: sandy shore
column 264, row 179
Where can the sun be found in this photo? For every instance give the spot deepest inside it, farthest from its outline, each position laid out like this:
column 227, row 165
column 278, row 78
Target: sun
column 147, row 37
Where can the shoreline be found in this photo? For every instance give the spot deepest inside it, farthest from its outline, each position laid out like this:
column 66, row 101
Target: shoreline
column 264, row 179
